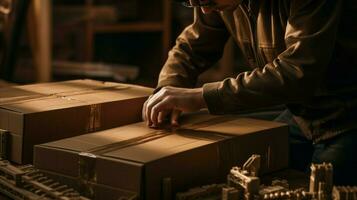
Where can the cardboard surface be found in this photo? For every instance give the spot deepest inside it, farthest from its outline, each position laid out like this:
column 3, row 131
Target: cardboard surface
column 46, row 112
column 137, row 158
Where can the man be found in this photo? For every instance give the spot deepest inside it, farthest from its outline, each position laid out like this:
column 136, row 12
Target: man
column 302, row 54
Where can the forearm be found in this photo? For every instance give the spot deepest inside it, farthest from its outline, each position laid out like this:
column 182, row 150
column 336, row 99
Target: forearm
column 197, row 48
column 296, row 75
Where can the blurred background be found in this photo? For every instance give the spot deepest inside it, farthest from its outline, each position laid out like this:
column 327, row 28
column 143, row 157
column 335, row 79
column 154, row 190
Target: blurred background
column 110, row 40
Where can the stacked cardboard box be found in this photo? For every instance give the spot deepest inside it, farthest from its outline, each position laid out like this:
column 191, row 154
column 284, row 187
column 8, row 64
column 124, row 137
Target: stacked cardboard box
column 39, row 113
column 155, row 164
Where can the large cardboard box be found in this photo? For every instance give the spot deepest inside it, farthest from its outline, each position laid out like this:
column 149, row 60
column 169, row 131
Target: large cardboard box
column 139, row 159
column 39, row 113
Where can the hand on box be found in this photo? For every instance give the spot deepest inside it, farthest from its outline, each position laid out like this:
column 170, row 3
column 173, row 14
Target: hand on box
column 170, row 102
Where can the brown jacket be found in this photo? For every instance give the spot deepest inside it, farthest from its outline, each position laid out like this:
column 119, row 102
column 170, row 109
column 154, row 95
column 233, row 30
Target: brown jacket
column 301, row 53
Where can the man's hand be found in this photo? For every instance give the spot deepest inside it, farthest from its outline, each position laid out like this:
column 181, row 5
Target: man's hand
column 172, row 101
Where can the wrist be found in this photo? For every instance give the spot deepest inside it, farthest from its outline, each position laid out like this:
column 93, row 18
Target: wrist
column 200, row 99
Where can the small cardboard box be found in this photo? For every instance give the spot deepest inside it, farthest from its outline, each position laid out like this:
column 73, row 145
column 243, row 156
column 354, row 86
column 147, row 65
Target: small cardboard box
column 149, row 162
column 39, row 113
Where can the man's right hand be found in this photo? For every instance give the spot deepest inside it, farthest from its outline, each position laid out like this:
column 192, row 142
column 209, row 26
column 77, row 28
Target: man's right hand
column 171, row 102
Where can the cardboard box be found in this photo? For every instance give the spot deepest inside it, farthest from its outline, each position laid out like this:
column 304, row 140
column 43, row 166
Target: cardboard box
column 39, row 113
column 136, row 158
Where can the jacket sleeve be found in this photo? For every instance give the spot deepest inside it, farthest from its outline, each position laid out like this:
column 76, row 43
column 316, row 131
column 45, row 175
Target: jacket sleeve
column 198, row 47
column 295, row 74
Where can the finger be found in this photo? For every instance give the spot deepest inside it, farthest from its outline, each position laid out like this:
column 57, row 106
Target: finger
column 156, row 98
column 165, row 104
column 162, row 115
column 174, row 117
column 143, row 111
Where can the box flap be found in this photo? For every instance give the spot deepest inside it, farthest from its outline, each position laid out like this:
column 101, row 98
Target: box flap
column 32, row 91
column 51, row 96
column 91, row 141
column 146, row 145
column 202, row 132
column 242, row 126
column 159, row 148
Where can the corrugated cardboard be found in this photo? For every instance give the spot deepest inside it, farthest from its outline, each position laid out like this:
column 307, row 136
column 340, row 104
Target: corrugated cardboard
column 137, row 158
column 46, row 112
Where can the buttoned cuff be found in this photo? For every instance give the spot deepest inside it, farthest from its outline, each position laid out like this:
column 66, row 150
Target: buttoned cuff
column 212, row 97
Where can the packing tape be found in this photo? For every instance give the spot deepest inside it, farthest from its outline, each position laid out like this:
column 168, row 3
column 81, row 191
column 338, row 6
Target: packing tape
column 89, row 91
column 127, row 143
column 87, row 160
column 156, row 134
column 94, row 119
column 58, row 95
column 87, row 174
